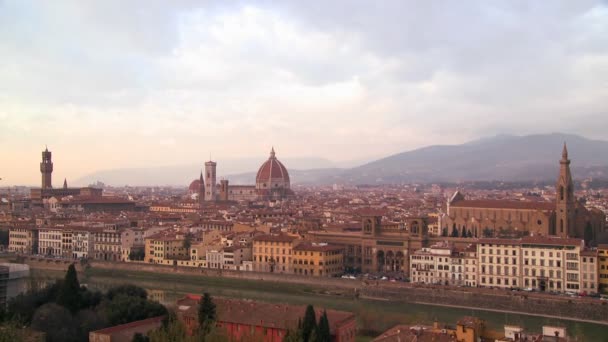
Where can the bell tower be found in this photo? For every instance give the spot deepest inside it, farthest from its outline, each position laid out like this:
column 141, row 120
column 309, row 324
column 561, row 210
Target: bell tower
column 564, row 198
column 210, row 180
column 46, row 169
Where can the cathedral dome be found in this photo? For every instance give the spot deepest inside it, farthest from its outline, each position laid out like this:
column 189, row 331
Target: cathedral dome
column 272, row 175
column 194, row 186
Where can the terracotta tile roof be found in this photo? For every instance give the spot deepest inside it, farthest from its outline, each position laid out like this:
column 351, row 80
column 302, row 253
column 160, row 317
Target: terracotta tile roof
column 263, row 314
column 309, row 246
column 275, row 238
column 504, row 204
column 414, row 334
column 117, row 328
column 534, row 240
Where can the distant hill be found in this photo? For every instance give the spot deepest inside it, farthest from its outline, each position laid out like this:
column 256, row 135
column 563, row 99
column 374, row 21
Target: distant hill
column 182, row 175
column 501, row 158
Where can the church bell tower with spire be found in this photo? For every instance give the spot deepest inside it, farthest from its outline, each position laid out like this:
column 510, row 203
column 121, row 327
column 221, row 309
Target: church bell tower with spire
column 565, row 219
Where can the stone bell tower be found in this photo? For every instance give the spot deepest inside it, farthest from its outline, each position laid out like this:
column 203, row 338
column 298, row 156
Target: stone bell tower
column 564, row 198
column 46, row 169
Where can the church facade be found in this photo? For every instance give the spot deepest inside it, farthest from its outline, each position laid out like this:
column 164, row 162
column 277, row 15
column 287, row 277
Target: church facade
column 566, row 217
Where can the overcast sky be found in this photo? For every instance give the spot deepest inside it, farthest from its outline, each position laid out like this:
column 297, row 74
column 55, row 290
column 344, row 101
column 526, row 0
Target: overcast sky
column 110, row 84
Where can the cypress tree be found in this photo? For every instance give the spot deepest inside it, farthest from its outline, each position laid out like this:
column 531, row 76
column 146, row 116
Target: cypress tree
column 309, row 324
column 324, row 333
column 206, row 314
column 69, row 293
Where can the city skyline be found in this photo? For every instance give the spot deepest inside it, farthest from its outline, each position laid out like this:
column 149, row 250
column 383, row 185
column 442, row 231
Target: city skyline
column 172, row 83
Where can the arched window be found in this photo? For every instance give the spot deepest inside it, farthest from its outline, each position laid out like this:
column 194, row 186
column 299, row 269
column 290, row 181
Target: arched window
column 561, row 225
column 561, row 193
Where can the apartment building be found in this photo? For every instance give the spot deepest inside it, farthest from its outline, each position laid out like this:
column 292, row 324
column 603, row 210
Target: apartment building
column 82, row 245
column 166, row 248
column 444, row 264
column 433, row 265
column 234, row 257
column 131, row 239
column 50, row 241
column 273, row 253
column 541, row 263
column 499, row 263
column 318, row 259
column 23, row 240
column 107, row 243
column 589, row 271
column 602, row 254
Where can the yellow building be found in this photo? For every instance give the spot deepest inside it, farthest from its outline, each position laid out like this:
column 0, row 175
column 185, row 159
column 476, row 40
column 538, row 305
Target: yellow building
column 470, row 329
column 320, row 260
column 166, row 248
column 602, row 253
column 273, row 253
column 22, row 240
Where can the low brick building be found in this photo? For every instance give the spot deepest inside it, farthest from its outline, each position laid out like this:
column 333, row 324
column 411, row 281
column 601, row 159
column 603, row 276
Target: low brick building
column 125, row 332
column 264, row 321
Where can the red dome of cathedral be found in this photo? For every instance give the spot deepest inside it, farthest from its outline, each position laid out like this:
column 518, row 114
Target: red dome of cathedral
column 194, row 186
column 272, row 175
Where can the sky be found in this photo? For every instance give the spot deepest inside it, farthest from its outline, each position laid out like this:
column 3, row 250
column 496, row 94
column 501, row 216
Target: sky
column 114, row 84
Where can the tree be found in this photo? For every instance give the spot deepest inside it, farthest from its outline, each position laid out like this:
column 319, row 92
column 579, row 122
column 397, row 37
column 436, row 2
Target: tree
column 69, row 293
column 124, row 309
column 57, row 322
column 309, row 324
column 444, row 232
column 314, row 335
column 588, row 234
column 137, row 254
column 4, row 237
column 188, row 240
column 294, row 335
column 464, row 232
column 206, row 314
column 469, row 234
column 128, row 290
column 23, row 307
column 324, row 331
column 138, row 337
column 487, row 232
column 454, row 231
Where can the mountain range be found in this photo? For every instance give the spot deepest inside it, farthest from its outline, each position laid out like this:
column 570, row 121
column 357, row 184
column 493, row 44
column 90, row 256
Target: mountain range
column 497, row 158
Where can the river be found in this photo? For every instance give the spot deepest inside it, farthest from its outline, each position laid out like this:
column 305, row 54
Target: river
column 373, row 315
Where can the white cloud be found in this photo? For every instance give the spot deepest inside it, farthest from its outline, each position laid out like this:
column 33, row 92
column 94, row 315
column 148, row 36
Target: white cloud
column 114, row 84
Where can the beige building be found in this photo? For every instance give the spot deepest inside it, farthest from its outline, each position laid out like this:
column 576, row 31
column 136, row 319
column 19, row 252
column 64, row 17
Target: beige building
column 50, row 242
column 22, row 240
column 107, row 244
column 166, row 248
column 318, row 259
column 273, row 253
column 82, row 243
column 589, row 271
column 540, row 263
column 499, row 263
column 131, row 239
column 236, row 257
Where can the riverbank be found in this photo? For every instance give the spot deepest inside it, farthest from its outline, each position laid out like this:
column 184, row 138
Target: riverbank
column 374, row 315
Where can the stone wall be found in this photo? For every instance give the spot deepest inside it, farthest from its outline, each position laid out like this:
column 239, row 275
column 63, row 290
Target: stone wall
column 563, row 307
